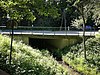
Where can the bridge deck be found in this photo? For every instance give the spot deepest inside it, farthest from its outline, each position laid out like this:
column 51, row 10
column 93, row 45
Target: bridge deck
column 50, row 33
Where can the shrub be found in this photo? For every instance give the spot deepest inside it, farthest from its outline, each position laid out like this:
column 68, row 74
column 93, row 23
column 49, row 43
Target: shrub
column 75, row 57
column 27, row 61
column 98, row 35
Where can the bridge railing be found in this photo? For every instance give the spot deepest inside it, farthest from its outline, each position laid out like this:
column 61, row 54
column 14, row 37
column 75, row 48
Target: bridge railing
column 70, row 31
column 48, row 28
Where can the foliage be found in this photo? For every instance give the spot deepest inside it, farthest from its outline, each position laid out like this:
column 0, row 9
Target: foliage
column 77, row 23
column 75, row 57
column 98, row 35
column 19, row 9
column 27, row 61
column 47, row 11
column 57, row 54
column 46, row 21
column 84, row 7
column 90, row 8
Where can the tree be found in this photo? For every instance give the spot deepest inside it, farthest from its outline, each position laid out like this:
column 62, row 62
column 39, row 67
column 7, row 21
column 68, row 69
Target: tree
column 19, row 9
column 67, row 12
column 85, row 7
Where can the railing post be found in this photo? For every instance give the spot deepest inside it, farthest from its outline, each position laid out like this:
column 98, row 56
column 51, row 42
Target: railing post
column 94, row 31
column 66, row 31
column 43, row 32
column 68, row 28
column 54, row 32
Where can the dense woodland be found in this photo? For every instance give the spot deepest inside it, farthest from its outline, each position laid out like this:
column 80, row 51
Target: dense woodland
column 83, row 57
column 55, row 13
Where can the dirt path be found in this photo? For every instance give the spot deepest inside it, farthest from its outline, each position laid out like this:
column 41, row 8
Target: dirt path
column 3, row 72
column 71, row 71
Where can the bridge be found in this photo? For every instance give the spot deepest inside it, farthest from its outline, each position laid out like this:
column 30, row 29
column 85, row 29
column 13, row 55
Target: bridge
column 48, row 31
column 54, row 36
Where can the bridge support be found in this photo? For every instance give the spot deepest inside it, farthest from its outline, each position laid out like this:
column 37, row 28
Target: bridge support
column 22, row 38
column 56, row 42
column 61, row 43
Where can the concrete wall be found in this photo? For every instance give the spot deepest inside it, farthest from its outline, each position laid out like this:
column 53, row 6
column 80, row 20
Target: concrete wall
column 57, row 42
column 61, row 43
column 22, row 38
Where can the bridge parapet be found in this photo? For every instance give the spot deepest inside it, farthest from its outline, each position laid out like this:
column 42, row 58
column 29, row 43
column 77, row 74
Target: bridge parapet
column 50, row 33
column 60, row 38
column 70, row 28
column 29, row 30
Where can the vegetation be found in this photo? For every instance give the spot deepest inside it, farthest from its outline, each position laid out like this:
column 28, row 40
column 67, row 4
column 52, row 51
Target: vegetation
column 85, row 9
column 98, row 34
column 26, row 9
column 75, row 57
column 50, row 12
column 27, row 61
column 56, row 13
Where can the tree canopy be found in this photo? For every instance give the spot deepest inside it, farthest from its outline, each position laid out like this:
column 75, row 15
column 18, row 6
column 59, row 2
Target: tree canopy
column 32, row 9
column 19, row 9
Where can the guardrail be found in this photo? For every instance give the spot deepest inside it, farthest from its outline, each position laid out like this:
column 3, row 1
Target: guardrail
column 51, row 33
column 49, row 28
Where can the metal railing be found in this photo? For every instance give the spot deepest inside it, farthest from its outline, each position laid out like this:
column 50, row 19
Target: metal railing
column 47, row 31
column 48, row 28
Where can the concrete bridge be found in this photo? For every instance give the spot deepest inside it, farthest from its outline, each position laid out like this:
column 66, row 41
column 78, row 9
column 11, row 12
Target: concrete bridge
column 54, row 38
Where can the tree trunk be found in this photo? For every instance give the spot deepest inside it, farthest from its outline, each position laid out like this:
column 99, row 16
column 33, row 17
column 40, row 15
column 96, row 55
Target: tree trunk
column 12, row 27
column 65, row 19
column 61, row 22
column 84, row 47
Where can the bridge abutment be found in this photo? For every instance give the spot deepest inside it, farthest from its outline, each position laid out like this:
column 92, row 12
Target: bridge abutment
column 57, row 39
column 57, row 42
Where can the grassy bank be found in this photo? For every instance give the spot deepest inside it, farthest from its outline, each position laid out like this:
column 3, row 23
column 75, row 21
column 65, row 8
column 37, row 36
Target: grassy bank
column 27, row 61
column 75, row 57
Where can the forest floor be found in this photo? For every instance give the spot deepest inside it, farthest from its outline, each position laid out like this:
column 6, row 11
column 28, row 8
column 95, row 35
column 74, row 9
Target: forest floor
column 71, row 71
column 3, row 72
